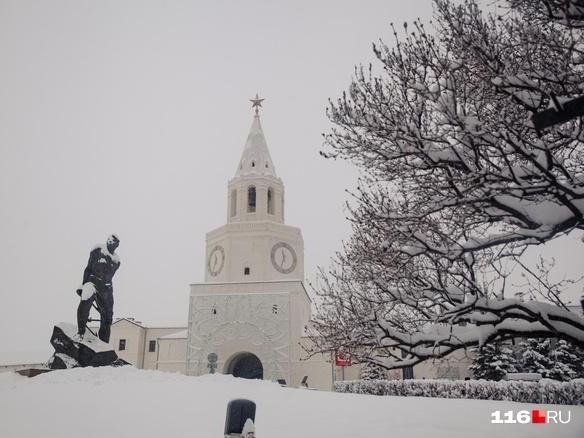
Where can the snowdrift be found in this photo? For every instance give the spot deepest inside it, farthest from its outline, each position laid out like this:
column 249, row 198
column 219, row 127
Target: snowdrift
column 101, row 402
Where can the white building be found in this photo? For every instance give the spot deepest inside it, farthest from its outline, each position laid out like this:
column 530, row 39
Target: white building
column 150, row 348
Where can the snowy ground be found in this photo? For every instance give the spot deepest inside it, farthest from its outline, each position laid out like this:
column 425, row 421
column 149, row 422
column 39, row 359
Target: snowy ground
column 125, row 402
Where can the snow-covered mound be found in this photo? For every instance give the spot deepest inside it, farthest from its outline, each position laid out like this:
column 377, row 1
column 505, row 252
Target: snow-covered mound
column 103, row 402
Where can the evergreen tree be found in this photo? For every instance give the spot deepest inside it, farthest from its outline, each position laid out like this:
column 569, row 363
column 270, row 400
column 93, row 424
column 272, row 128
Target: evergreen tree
column 535, row 356
column 562, row 361
column 492, row 362
column 566, row 362
column 371, row 371
column 573, row 356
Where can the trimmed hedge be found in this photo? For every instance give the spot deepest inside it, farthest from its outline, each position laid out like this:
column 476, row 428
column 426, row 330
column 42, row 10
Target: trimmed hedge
column 545, row 391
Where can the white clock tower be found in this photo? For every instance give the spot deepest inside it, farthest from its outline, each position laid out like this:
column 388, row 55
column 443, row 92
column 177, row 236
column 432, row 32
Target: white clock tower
column 248, row 317
column 255, row 244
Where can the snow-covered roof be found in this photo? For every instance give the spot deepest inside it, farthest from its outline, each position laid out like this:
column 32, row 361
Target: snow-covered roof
column 132, row 320
column 178, row 335
column 256, row 159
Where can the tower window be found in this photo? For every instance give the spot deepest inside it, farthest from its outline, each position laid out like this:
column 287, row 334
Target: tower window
column 270, row 201
column 245, row 271
column 233, row 203
column 253, row 164
column 251, row 199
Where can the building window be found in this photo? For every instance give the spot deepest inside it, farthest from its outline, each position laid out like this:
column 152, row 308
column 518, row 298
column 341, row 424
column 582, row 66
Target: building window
column 270, row 201
column 152, row 346
column 251, row 199
column 122, row 345
column 253, row 164
column 233, row 203
column 245, row 271
column 407, row 372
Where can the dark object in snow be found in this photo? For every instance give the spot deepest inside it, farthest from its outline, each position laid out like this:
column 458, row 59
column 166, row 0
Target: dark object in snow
column 560, row 113
column 71, row 351
column 97, row 287
column 282, row 382
column 32, row 372
column 119, row 362
column 238, row 412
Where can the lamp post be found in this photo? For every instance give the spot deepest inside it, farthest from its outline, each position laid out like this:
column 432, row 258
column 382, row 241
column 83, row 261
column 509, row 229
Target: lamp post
column 212, row 362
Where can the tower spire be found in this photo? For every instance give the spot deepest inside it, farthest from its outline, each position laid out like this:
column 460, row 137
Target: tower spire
column 256, row 159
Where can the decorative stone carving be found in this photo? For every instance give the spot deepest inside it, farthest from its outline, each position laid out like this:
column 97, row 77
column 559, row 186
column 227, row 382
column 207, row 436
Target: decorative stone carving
column 251, row 319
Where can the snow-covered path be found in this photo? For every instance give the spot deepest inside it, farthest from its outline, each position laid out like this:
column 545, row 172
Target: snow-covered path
column 125, row 402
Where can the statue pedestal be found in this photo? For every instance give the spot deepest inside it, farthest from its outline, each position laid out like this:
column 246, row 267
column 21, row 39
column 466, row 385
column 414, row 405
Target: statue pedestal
column 70, row 352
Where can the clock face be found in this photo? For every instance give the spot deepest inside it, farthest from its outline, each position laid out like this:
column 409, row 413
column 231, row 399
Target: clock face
column 216, row 260
column 283, row 257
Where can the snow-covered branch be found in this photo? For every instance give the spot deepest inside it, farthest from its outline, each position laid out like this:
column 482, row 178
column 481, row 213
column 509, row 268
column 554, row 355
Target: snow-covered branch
column 456, row 182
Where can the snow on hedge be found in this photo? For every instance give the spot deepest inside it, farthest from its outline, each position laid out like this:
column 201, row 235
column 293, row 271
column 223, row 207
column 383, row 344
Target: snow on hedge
column 545, row 391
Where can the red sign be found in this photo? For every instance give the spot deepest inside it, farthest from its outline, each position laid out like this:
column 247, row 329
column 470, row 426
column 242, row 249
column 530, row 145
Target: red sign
column 538, row 416
column 342, row 359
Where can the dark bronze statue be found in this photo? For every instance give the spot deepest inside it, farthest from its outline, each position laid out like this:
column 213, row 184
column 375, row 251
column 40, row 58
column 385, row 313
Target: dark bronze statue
column 97, row 287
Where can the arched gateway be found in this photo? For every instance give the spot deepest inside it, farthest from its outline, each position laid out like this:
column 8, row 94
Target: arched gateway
column 245, row 365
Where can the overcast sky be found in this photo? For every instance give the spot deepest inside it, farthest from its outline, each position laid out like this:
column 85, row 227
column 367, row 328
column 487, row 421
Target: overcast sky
column 131, row 116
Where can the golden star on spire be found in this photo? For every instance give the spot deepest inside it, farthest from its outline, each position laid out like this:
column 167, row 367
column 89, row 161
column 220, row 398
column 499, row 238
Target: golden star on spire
column 256, row 103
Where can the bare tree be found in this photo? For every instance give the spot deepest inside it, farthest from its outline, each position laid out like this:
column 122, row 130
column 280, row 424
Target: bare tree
column 456, row 183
